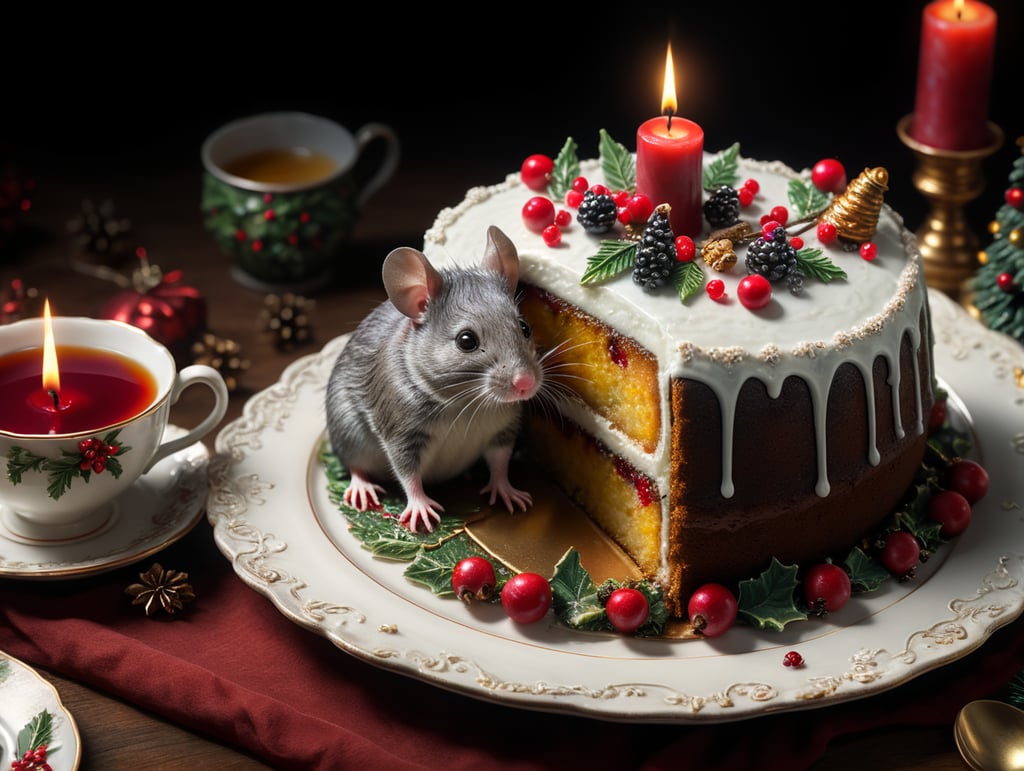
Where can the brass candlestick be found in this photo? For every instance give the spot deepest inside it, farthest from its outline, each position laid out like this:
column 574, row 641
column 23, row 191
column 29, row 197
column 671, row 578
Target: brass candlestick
column 949, row 179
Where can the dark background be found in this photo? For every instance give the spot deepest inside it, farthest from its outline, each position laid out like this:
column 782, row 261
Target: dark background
column 480, row 88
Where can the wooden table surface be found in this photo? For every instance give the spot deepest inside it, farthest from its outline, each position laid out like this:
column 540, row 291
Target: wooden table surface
column 165, row 219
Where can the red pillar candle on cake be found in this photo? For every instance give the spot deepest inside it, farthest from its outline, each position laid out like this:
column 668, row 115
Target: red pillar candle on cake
column 954, row 75
column 669, row 161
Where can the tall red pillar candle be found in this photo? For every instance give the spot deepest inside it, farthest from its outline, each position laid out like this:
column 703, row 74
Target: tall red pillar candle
column 954, row 75
column 670, row 162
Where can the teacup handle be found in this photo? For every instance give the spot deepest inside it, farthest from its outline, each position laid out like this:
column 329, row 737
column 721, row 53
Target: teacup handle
column 363, row 137
column 195, row 374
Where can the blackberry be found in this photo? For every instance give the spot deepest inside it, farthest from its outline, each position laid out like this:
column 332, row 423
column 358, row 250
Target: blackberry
column 773, row 258
column 795, row 281
column 656, row 252
column 722, row 208
column 597, row 213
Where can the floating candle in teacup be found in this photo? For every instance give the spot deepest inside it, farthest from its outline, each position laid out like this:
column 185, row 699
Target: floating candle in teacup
column 82, row 417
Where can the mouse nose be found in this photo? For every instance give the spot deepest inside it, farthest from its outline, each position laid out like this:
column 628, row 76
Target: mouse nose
column 523, row 385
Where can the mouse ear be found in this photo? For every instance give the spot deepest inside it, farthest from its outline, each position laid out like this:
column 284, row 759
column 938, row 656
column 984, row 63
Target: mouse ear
column 410, row 280
column 501, row 255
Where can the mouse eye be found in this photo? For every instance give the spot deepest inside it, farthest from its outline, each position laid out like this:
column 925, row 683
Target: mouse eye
column 527, row 332
column 467, row 340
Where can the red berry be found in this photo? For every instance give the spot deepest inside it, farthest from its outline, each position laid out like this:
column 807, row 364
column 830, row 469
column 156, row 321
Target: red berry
column 573, row 199
column 1005, row 282
column 536, row 171
column 937, row 417
column 580, row 185
column 526, row 597
column 563, row 218
column 746, row 196
column 780, row 214
column 900, row 553
column 829, row 176
column 754, row 291
column 712, row 609
column 685, row 249
column 950, row 509
column 538, row 213
column 797, row 243
column 552, row 235
column 826, row 588
column 969, row 479
column 640, row 207
column 1014, row 197
column 768, row 225
column 715, row 288
column 473, row 579
column 827, row 232
column 623, row 215
column 868, row 251
column 627, row 609
column 600, row 189
column 793, row 659
column 751, row 185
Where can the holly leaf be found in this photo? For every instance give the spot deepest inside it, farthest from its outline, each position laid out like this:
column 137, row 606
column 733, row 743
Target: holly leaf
column 805, row 198
column 617, row 163
column 688, row 279
column 812, row 263
column 433, row 568
column 37, row 732
column 612, row 258
column 723, row 170
column 658, row 614
column 767, row 601
column 574, row 596
column 915, row 519
column 866, row 574
column 566, row 169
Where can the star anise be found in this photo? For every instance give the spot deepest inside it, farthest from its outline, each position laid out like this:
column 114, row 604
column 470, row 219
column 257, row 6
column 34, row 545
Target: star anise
column 159, row 588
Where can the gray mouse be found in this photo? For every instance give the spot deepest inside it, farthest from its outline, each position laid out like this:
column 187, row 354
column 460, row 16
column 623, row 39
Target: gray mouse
column 433, row 379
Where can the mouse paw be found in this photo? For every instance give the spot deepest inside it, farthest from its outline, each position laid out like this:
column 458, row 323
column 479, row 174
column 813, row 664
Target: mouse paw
column 510, row 496
column 362, row 494
column 421, row 511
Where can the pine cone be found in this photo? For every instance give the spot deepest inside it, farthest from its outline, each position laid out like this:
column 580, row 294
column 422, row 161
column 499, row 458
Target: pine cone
column 286, row 318
column 223, row 355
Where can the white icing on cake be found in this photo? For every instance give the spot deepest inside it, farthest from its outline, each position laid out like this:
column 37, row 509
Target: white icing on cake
column 720, row 343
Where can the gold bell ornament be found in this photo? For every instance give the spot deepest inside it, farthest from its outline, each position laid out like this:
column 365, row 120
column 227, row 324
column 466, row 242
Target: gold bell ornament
column 855, row 211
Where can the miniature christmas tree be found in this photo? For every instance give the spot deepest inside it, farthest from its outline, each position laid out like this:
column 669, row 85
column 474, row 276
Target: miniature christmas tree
column 998, row 284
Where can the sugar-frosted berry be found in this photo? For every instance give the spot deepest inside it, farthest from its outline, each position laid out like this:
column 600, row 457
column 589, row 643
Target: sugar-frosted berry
column 597, row 212
column 656, row 251
column 722, row 208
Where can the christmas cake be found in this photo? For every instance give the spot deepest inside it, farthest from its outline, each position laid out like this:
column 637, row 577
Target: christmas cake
column 719, row 420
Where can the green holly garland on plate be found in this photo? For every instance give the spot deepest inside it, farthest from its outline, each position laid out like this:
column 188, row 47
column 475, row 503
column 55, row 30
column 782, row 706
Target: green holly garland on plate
column 34, row 739
column 769, row 601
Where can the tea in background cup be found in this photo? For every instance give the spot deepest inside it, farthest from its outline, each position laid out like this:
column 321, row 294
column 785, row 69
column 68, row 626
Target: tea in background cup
column 280, row 194
column 70, row 447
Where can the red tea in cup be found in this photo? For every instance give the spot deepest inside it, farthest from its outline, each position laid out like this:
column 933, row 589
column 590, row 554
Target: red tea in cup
column 99, row 388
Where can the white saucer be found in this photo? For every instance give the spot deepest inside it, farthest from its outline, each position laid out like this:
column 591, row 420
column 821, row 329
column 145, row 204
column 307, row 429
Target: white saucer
column 160, row 508
column 23, row 695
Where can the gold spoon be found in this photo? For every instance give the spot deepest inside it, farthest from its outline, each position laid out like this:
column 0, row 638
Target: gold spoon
column 990, row 735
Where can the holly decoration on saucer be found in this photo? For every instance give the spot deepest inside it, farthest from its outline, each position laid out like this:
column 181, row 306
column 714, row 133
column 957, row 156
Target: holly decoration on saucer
column 161, row 304
column 94, row 456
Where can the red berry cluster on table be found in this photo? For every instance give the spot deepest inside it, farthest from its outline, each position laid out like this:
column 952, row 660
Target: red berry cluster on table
column 656, row 257
column 937, row 508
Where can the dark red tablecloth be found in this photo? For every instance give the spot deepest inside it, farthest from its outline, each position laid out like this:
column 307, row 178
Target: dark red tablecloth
column 234, row 668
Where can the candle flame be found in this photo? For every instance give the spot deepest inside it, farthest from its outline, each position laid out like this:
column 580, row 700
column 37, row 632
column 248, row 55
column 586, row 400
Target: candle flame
column 51, row 373
column 668, row 94
column 958, row 5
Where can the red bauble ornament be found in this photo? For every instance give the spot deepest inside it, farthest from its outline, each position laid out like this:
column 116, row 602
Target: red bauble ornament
column 1015, row 197
column 161, row 304
column 1005, row 282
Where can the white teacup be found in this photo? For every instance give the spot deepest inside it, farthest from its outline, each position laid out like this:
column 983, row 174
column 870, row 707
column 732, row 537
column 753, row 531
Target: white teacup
column 48, row 489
